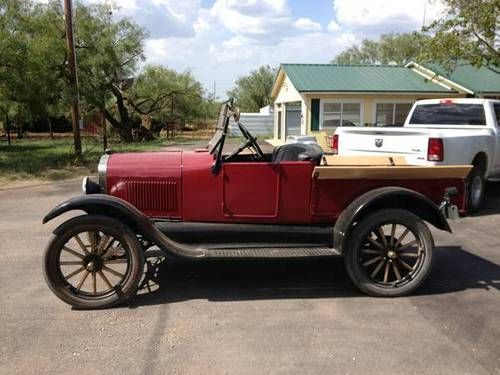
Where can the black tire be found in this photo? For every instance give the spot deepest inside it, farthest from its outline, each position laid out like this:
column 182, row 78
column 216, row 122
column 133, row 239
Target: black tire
column 123, row 250
column 357, row 259
column 476, row 186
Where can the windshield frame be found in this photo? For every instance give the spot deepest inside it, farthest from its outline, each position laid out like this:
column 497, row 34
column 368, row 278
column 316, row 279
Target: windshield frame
column 216, row 144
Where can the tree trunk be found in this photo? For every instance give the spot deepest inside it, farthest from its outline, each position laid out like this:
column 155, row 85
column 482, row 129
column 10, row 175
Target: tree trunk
column 125, row 126
column 126, row 135
column 7, row 128
column 19, row 129
column 50, row 128
column 124, row 132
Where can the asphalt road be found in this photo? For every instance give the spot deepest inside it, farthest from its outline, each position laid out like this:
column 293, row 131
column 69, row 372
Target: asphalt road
column 279, row 317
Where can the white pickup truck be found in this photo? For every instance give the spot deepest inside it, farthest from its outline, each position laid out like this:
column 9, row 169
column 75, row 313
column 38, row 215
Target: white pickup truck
column 437, row 132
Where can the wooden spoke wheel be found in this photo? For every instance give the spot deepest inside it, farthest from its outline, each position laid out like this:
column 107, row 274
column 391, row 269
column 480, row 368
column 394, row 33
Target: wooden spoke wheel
column 390, row 253
column 93, row 262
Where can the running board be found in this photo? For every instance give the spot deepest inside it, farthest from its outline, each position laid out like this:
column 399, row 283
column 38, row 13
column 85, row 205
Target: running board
column 272, row 252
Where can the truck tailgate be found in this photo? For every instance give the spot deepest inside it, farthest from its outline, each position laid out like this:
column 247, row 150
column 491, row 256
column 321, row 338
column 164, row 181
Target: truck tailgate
column 399, row 141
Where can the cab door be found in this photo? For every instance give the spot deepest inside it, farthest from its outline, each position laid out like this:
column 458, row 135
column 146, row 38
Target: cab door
column 250, row 190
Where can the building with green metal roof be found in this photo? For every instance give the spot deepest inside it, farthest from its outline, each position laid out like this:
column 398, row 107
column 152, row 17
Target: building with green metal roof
column 317, row 98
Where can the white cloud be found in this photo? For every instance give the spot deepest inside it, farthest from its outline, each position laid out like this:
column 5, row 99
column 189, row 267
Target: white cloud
column 307, row 24
column 255, row 18
column 232, row 37
column 162, row 18
column 372, row 13
column 333, row 26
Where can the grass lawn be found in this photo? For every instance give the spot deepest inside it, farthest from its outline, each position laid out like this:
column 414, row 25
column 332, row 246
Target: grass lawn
column 35, row 159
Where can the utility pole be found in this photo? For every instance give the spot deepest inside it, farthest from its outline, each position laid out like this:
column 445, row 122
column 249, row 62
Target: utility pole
column 73, row 78
column 104, row 132
column 425, row 13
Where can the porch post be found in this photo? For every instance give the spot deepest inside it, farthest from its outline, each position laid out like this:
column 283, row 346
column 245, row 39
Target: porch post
column 283, row 121
column 303, row 116
column 275, row 119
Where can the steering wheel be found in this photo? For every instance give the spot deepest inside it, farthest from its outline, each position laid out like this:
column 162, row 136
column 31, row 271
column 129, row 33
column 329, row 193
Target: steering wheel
column 250, row 143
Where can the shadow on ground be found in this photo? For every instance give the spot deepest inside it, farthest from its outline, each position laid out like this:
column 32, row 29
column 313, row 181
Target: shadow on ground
column 491, row 205
column 233, row 280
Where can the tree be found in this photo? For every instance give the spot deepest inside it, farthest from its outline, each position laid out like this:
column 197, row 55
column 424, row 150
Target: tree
column 32, row 58
column 166, row 95
column 34, row 75
column 470, row 31
column 391, row 48
column 253, row 91
column 109, row 52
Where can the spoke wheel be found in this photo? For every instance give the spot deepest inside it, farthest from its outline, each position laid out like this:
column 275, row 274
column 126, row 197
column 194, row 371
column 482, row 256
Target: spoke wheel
column 390, row 253
column 93, row 262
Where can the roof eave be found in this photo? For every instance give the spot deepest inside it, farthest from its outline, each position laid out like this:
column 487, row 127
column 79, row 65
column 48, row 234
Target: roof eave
column 280, row 76
column 437, row 78
column 409, row 92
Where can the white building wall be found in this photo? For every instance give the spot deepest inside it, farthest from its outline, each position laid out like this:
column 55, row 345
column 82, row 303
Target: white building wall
column 256, row 123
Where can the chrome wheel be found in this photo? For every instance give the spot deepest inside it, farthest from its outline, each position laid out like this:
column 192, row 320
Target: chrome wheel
column 391, row 255
column 93, row 263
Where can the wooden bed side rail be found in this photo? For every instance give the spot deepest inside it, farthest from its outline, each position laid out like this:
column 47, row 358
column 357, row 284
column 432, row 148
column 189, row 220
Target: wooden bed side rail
column 396, row 172
column 364, row 160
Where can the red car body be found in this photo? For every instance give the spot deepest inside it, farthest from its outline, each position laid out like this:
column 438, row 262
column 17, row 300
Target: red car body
column 180, row 185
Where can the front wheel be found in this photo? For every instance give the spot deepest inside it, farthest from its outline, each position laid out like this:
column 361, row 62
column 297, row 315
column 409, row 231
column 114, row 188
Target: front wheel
column 93, row 262
column 390, row 253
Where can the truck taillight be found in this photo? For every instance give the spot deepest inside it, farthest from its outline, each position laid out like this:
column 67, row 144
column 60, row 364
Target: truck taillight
column 335, row 144
column 435, row 151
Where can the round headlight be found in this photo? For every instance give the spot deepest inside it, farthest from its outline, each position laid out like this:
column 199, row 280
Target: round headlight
column 90, row 187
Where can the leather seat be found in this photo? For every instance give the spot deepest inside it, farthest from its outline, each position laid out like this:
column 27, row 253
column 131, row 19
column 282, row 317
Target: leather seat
column 298, row 152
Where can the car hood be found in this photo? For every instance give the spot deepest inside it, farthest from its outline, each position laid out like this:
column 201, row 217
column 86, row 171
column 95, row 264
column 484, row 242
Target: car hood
column 145, row 165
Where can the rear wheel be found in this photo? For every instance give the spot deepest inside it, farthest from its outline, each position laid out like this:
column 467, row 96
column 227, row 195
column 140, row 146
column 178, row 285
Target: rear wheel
column 476, row 185
column 93, row 262
column 390, row 253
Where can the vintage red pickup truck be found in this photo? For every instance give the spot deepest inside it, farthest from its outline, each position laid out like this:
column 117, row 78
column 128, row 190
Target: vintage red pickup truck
column 211, row 203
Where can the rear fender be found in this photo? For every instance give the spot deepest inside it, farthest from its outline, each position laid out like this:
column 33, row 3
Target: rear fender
column 107, row 205
column 387, row 197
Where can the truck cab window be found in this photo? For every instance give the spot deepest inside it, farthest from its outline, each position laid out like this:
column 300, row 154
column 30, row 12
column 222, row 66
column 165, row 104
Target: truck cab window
column 448, row 114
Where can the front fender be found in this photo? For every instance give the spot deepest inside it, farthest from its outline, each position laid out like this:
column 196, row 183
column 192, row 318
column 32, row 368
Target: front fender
column 107, row 205
column 387, row 197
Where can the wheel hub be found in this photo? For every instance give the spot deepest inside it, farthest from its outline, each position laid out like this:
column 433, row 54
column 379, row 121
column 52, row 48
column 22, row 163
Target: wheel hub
column 391, row 254
column 93, row 263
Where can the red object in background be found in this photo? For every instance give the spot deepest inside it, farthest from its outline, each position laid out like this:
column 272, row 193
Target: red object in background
column 335, row 144
column 180, row 185
column 435, row 149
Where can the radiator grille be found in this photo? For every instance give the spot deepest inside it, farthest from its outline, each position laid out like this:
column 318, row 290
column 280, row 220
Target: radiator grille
column 152, row 195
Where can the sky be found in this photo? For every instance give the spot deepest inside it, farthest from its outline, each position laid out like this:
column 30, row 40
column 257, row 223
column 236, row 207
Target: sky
column 220, row 40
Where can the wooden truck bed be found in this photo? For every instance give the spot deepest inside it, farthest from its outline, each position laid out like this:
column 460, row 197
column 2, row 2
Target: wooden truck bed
column 384, row 167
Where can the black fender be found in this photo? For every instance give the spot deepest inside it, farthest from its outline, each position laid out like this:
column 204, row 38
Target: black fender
column 386, row 197
column 107, row 205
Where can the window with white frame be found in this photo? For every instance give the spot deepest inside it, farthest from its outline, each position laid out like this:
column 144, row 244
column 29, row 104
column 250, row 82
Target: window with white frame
column 340, row 113
column 391, row 114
